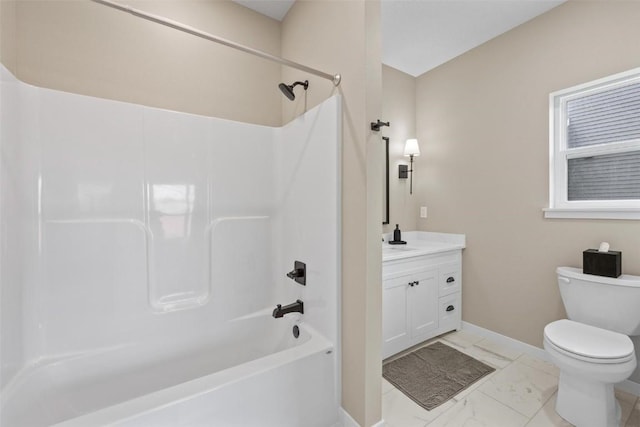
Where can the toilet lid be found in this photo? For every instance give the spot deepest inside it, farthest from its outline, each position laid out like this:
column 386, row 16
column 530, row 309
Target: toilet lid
column 588, row 341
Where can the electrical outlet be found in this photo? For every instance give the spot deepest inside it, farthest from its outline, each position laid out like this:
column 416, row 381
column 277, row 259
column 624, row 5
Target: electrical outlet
column 423, row 212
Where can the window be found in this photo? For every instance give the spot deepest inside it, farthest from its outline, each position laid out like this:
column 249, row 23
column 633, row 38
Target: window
column 595, row 149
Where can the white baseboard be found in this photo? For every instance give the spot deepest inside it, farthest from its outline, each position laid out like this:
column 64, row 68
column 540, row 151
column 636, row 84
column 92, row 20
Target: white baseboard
column 627, row 385
column 347, row 421
column 505, row 341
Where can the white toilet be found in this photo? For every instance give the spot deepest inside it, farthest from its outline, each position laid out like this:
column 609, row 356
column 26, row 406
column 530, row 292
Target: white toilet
column 593, row 349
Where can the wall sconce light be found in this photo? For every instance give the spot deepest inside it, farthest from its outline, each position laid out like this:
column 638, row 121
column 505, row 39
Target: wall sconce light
column 411, row 149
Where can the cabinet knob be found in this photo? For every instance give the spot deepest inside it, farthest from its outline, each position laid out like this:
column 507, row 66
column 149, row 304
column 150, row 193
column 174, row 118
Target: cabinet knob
column 450, row 279
column 451, row 308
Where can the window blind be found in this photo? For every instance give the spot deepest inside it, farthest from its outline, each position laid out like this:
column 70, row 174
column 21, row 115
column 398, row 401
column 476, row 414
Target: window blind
column 609, row 116
column 605, row 177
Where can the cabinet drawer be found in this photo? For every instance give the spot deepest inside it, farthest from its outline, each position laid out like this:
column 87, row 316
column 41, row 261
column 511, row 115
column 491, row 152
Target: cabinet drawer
column 392, row 268
column 450, row 279
column 450, row 312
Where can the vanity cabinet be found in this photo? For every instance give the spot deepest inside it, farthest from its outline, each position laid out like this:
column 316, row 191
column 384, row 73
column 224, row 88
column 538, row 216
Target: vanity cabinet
column 421, row 298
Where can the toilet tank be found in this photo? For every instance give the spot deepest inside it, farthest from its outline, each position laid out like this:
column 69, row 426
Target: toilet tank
column 605, row 302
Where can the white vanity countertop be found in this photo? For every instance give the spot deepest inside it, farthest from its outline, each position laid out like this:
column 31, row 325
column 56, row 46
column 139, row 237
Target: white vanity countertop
column 421, row 243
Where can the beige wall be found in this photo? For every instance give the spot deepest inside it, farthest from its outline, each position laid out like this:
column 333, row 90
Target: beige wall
column 8, row 33
column 399, row 108
column 482, row 120
column 87, row 48
column 344, row 37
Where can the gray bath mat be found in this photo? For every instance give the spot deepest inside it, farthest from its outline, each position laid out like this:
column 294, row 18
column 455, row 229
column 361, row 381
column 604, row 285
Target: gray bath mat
column 434, row 374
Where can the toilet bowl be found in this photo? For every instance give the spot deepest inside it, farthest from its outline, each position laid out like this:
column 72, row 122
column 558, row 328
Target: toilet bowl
column 592, row 348
column 591, row 360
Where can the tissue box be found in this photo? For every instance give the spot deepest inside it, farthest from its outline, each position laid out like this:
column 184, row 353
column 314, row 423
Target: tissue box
column 607, row 264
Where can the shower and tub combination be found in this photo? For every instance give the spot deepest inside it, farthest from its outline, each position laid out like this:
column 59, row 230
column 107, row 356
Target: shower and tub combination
column 144, row 275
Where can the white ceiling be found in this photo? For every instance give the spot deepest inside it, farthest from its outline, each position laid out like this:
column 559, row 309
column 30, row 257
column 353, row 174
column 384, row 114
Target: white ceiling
column 275, row 9
column 419, row 35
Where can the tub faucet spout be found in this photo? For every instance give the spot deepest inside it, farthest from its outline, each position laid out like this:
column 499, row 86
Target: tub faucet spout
column 295, row 307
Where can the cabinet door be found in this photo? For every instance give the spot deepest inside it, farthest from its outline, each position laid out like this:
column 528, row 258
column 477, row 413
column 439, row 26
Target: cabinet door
column 395, row 328
column 423, row 302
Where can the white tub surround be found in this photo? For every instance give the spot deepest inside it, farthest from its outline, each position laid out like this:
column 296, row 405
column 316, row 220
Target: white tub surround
column 422, row 288
column 151, row 248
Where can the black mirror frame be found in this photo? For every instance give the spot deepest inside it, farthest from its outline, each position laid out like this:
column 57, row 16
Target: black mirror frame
column 385, row 219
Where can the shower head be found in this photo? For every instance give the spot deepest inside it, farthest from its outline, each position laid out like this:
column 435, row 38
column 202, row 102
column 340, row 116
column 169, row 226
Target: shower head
column 287, row 90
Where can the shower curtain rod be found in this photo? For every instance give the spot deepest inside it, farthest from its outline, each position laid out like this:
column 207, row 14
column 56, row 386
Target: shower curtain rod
column 335, row 78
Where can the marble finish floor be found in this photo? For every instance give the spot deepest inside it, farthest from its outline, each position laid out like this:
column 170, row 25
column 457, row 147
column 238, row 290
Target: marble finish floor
column 521, row 392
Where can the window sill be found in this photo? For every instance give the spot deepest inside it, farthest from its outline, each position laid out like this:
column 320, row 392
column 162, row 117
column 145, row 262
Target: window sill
column 592, row 213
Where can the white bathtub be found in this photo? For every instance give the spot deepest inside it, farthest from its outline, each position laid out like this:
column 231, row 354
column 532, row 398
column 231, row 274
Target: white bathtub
column 241, row 381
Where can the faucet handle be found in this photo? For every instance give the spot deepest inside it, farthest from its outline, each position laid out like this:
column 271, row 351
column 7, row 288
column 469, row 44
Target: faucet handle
column 299, row 273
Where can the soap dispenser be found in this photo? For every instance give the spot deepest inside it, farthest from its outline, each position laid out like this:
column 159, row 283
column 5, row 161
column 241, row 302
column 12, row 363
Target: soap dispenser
column 397, row 237
column 397, row 234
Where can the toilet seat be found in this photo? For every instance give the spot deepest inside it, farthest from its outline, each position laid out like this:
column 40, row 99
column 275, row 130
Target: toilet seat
column 588, row 343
